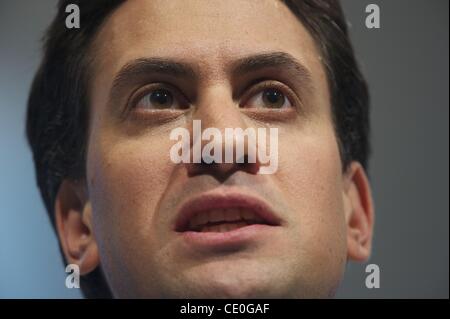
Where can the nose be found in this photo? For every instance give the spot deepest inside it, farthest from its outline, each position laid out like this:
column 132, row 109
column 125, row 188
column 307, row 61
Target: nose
column 222, row 171
column 227, row 143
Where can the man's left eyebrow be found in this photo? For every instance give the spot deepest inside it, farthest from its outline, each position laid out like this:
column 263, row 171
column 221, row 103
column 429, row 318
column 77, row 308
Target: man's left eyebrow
column 281, row 60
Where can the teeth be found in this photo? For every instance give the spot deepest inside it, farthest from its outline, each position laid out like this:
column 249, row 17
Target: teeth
column 232, row 214
column 216, row 228
column 216, row 215
column 247, row 215
column 196, row 221
column 222, row 220
column 202, row 219
column 221, row 228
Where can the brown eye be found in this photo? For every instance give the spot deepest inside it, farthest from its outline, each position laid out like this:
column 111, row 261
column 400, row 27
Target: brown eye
column 273, row 98
column 161, row 99
column 269, row 98
column 157, row 99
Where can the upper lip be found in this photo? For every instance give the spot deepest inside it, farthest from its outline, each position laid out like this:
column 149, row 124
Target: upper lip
column 215, row 200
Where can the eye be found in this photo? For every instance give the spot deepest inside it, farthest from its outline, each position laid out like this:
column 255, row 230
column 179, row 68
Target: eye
column 270, row 98
column 160, row 99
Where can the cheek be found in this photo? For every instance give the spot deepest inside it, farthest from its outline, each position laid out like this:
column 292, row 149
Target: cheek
column 127, row 178
column 310, row 176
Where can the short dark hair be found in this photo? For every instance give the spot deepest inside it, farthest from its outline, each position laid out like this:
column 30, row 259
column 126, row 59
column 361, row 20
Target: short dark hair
column 57, row 119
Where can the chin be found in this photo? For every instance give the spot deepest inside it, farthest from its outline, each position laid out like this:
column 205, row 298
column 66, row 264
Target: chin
column 242, row 286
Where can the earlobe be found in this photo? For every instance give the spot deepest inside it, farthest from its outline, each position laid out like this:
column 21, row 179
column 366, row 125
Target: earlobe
column 359, row 213
column 73, row 217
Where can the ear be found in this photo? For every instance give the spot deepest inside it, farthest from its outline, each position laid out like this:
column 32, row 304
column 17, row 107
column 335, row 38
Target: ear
column 359, row 212
column 73, row 217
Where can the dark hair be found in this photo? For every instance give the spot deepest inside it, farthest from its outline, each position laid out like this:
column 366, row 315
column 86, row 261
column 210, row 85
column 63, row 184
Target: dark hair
column 57, row 116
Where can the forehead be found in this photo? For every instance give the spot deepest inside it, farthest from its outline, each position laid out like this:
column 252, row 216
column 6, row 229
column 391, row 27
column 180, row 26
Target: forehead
column 206, row 33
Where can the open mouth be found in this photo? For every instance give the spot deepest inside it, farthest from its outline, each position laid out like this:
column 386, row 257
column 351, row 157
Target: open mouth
column 221, row 220
column 223, row 213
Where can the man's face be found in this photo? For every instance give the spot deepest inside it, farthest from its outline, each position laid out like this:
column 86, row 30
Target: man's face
column 137, row 192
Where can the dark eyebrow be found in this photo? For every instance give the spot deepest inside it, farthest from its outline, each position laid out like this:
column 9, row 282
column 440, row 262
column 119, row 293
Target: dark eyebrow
column 275, row 60
column 143, row 66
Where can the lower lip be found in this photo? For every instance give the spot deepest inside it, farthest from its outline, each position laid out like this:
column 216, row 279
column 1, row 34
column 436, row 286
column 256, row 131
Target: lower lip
column 232, row 239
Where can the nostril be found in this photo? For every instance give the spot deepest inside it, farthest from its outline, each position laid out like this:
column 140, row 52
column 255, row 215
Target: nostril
column 222, row 171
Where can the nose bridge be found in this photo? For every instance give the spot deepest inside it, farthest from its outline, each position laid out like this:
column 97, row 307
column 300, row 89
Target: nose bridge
column 218, row 115
column 217, row 109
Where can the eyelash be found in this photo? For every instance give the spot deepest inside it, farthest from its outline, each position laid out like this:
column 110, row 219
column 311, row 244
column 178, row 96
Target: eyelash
column 261, row 86
column 255, row 89
column 141, row 93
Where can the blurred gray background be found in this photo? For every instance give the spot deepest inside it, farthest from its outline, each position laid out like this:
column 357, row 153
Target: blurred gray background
column 406, row 63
